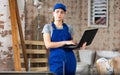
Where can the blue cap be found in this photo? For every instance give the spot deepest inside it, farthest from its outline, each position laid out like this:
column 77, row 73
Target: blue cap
column 60, row 5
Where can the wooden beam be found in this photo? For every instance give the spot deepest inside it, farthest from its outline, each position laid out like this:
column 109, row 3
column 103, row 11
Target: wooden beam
column 21, row 36
column 33, row 42
column 40, row 69
column 37, row 60
column 16, row 27
column 35, row 51
column 17, row 63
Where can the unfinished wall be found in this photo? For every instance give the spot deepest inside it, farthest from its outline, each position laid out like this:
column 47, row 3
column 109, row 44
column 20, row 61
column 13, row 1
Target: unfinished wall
column 77, row 11
column 77, row 15
column 109, row 38
column 6, row 50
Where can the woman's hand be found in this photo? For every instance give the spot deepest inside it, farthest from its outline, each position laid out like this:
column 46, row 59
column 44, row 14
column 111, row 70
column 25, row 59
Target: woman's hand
column 70, row 42
column 84, row 45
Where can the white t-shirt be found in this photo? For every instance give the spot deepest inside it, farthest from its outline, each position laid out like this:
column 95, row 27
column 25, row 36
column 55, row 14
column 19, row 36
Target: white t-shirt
column 48, row 29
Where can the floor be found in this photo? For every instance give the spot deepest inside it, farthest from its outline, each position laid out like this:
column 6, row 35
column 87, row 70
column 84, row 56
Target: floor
column 86, row 70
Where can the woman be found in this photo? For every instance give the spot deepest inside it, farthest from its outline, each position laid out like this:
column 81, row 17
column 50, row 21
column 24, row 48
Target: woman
column 57, row 34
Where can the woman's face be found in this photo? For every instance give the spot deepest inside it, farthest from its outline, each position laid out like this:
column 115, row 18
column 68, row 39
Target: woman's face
column 58, row 14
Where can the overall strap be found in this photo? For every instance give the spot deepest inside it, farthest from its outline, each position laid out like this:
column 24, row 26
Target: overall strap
column 64, row 26
column 53, row 25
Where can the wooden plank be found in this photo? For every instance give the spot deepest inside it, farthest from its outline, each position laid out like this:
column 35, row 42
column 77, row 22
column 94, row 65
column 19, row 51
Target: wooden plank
column 17, row 64
column 21, row 36
column 42, row 69
column 35, row 51
column 36, row 60
column 34, row 42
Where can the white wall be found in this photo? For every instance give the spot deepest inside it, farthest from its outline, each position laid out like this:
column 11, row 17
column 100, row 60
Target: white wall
column 6, row 51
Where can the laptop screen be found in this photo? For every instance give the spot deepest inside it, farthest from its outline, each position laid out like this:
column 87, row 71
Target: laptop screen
column 87, row 37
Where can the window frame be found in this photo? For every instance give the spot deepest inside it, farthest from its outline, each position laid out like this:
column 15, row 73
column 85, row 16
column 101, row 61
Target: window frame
column 101, row 18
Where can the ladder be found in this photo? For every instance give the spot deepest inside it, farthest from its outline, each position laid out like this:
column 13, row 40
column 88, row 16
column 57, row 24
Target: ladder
column 16, row 28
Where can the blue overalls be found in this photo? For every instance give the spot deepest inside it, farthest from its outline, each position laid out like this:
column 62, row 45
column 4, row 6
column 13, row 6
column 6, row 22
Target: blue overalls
column 61, row 61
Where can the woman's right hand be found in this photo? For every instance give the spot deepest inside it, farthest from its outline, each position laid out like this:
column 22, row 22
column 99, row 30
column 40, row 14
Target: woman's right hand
column 70, row 42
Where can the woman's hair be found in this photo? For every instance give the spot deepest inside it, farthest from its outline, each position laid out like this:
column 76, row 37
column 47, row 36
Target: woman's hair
column 52, row 19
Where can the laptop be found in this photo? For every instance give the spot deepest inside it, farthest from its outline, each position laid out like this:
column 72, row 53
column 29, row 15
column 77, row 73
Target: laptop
column 87, row 37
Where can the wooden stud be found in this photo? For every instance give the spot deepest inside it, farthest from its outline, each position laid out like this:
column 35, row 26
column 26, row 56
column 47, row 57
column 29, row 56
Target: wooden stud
column 21, row 36
column 15, row 41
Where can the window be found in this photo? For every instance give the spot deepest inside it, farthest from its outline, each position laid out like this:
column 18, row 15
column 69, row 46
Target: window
column 98, row 13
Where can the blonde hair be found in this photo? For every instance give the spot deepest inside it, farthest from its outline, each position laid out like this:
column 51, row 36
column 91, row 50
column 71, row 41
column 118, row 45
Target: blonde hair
column 52, row 19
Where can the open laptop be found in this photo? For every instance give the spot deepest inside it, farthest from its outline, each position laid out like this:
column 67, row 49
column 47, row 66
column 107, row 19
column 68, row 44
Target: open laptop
column 87, row 37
